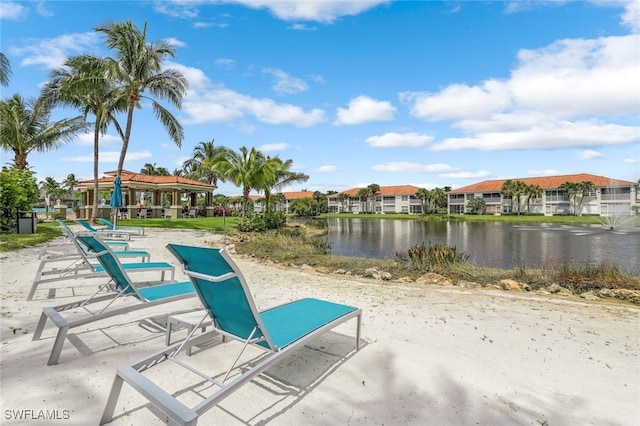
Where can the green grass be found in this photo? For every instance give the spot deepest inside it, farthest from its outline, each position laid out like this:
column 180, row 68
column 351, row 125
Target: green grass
column 47, row 231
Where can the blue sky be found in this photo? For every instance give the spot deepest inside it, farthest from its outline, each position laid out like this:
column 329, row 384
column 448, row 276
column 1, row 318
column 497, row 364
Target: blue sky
column 426, row 93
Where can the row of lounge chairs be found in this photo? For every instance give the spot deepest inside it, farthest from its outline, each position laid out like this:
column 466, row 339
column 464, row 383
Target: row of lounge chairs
column 219, row 285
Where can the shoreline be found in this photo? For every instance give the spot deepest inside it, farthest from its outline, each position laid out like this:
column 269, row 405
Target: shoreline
column 430, row 354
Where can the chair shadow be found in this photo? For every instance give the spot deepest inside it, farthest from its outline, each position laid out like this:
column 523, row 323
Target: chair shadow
column 287, row 383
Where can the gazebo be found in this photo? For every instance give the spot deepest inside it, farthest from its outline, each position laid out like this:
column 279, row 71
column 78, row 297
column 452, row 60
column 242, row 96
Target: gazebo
column 148, row 196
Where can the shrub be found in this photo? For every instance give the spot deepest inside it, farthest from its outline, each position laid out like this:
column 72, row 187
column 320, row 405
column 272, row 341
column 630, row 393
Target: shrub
column 18, row 192
column 434, row 256
column 259, row 222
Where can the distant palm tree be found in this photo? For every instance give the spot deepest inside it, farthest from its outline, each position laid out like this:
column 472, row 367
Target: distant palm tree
column 533, row 191
column 69, row 185
column 83, row 84
column 343, row 199
column 363, row 195
column 136, row 69
column 153, row 170
column 199, row 166
column 50, row 188
column 373, row 188
column 278, row 176
column 571, row 189
column 246, row 169
column 25, row 127
column 5, row 70
column 514, row 189
column 424, row 195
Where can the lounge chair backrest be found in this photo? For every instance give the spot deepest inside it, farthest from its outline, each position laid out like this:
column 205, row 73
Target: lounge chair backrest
column 109, row 262
column 106, row 222
column 86, row 225
column 222, row 290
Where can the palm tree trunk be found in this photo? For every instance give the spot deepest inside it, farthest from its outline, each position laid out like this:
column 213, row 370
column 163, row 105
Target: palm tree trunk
column 127, row 135
column 96, row 142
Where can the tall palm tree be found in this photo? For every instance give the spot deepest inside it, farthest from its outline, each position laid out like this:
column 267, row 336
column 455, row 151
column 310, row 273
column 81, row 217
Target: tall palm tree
column 571, row 189
column 584, row 188
column 343, row 199
column 373, row 188
column 137, row 69
column 199, row 165
column 5, row 70
column 82, row 83
column 49, row 187
column 153, row 170
column 533, row 191
column 363, row 195
column 424, row 195
column 69, row 185
column 25, row 127
column 246, row 169
column 278, row 176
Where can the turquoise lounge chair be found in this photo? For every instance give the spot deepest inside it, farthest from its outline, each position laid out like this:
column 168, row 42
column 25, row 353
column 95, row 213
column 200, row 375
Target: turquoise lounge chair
column 66, row 248
column 82, row 266
column 138, row 229
column 120, row 289
column 104, row 231
column 225, row 295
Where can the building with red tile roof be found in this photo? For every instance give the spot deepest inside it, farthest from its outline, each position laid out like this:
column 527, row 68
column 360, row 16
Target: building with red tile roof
column 608, row 196
column 388, row 199
column 155, row 193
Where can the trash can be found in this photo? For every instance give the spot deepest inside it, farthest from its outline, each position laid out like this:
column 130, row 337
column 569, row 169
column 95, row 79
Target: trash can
column 27, row 222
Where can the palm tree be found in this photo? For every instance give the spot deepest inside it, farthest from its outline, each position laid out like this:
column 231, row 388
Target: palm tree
column 343, row 199
column 424, row 195
column 198, row 167
column 514, row 189
column 278, row 176
column 5, row 70
column 83, row 84
column 373, row 188
column 69, row 185
column 363, row 195
column 136, row 69
column 439, row 197
column 153, row 170
column 583, row 189
column 533, row 191
column 571, row 189
column 50, row 188
column 245, row 169
column 25, row 127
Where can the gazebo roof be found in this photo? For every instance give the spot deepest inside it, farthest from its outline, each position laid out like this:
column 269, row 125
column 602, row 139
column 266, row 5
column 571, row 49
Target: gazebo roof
column 140, row 181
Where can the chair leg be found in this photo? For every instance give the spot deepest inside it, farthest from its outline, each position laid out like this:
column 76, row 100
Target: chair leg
column 107, row 415
column 41, row 323
column 54, row 357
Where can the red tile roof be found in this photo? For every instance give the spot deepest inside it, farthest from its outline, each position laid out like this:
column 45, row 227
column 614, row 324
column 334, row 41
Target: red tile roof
column 545, row 182
column 130, row 177
column 385, row 191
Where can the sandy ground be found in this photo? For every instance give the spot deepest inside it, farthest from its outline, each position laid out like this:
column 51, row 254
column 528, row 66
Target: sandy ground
column 429, row 355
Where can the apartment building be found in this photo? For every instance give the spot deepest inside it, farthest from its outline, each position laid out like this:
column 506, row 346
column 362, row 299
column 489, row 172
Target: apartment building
column 608, row 198
column 389, row 199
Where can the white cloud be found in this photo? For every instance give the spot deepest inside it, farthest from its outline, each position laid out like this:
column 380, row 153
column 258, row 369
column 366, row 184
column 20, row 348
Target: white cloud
column 221, row 105
column 562, row 134
column 396, row 140
column 407, row 167
column 225, row 63
column 110, row 157
column 105, row 140
column 268, row 147
column 326, row 169
column 630, row 160
column 12, row 11
column 177, row 8
column 459, row 101
column 54, row 51
column 631, row 16
column 325, row 12
column 42, row 10
column 286, row 84
column 571, row 93
column 588, row 154
column 545, row 172
column 363, row 109
column 175, row 42
column 302, row 27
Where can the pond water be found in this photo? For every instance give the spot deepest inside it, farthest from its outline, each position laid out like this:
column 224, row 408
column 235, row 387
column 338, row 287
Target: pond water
column 491, row 244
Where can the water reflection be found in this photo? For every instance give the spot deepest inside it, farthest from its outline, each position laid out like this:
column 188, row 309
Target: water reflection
column 490, row 244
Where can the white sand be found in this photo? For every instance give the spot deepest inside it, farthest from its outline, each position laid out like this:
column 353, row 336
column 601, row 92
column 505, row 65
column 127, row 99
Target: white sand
column 430, row 355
